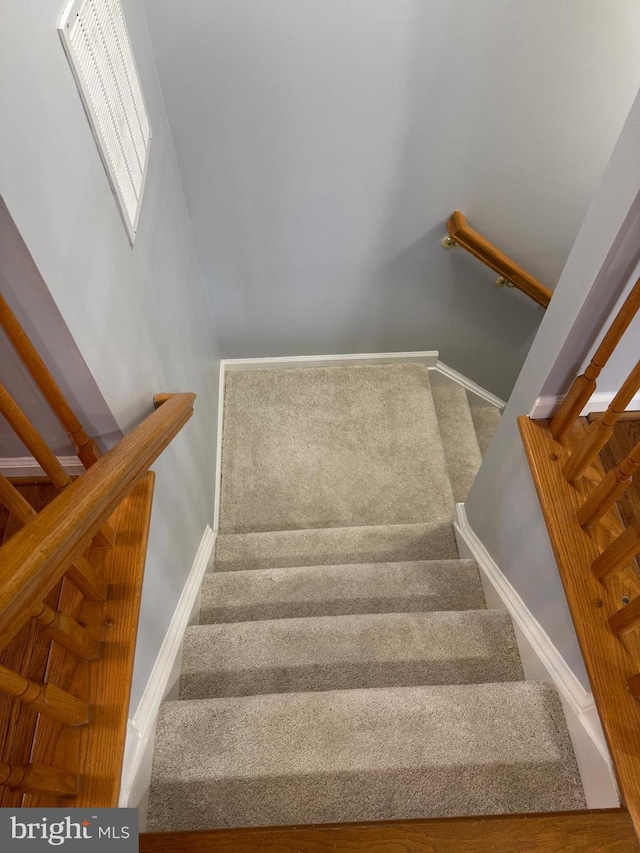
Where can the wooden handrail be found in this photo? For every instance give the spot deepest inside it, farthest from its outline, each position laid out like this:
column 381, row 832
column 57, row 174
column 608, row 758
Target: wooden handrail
column 34, row 559
column 86, row 448
column 584, row 385
column 463, row 235
column 87, row 578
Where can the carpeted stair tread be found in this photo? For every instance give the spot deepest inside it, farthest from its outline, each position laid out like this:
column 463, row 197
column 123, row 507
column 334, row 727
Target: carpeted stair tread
column 331, row 447
column 357, row 755
column 346, row 652
column 333, row 546
column 485, row 421
column 338, row 590
column 459, row 438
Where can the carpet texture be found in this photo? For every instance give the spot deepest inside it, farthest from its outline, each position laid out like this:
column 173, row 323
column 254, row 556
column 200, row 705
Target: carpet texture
column 333, row 546
column 331, row 447
column 423, row 586
column 351, row 755
column 459, row 438
column 345, row 667
column 344, row 652
column 485, row 420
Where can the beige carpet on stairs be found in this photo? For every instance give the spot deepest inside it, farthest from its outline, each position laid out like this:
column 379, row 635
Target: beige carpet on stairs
column 345, row 667
column 331, row 447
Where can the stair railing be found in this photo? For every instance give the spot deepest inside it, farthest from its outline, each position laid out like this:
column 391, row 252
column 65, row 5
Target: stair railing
column 510, row 273
column 70, row 587
column 593, row 549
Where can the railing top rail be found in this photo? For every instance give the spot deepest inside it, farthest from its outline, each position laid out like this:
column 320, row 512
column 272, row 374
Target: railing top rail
column 36, row 557
column 464, row 235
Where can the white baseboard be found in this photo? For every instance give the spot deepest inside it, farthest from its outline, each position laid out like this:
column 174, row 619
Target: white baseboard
column 541, row 658
column 26, row 466
column 544, row 407
column 468, row 384
column 429, row 358
column 141, row 725
column 218, row 472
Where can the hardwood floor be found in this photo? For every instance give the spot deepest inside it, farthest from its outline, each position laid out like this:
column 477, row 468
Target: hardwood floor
column 606, row 831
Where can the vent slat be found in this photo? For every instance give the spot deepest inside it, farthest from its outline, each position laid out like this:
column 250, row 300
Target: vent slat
column 98, row 47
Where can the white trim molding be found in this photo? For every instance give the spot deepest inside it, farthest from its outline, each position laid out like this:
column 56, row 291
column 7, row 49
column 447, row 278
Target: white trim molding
column 429, row 358
column 539, row 657
column 469, row 385
column 26, row 466
column 544, row 407
column 141, row 725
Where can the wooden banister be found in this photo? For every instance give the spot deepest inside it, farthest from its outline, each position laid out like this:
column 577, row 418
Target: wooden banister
column 609, row 489
column 597, row 582
column 32, row 440
column 618, row 554
column 46, row 699
column 66, row 631
column 585, row 384
column 86, row 448
column 601, row 429
column 463, row 235
column 34, row 559
column 627, row 618
column 38, row 779
column 81, row 573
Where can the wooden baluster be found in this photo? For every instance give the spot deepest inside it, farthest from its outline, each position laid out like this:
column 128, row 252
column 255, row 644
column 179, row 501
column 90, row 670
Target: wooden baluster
column 32, row 440
column 626, row 619
column 609, row 489
column 600, row 430
column 633, row 684
column 618, row 554
column 584, row 385
column 38, row 448
column 46, row 699
column 81, row 573
column 66, row 632
column 38, row 779
column 87, row 450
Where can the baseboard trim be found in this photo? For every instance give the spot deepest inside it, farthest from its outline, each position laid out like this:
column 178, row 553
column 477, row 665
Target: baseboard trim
column 544, row 407
column 142, row 723
column 429, row 357
column 539, row 654
column 469, row 385
column 26, row 466
column 218, row 471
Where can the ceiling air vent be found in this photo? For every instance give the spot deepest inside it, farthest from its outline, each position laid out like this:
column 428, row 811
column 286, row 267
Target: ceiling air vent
column 95, row 38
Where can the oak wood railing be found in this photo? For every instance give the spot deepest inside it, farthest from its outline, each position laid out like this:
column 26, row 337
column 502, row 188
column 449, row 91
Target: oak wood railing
column 462, row 234
column 594, row 550
column 70, row 586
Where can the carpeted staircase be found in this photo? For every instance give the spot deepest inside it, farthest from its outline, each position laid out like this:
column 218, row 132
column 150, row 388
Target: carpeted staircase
column 345, row 667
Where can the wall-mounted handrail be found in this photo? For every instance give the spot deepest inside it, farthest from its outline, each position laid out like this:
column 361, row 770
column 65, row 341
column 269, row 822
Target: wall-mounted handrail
column 461, row 234
column 36, row 557
column 86, row 448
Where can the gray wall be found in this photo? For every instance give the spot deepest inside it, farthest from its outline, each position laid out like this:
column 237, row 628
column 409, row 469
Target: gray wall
column 22, row 286
column 502, row 506
column 139, row 316
column 323, row 143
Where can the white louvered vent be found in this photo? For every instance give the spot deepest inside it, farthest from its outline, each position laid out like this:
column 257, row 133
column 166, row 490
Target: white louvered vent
column 95, row 38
